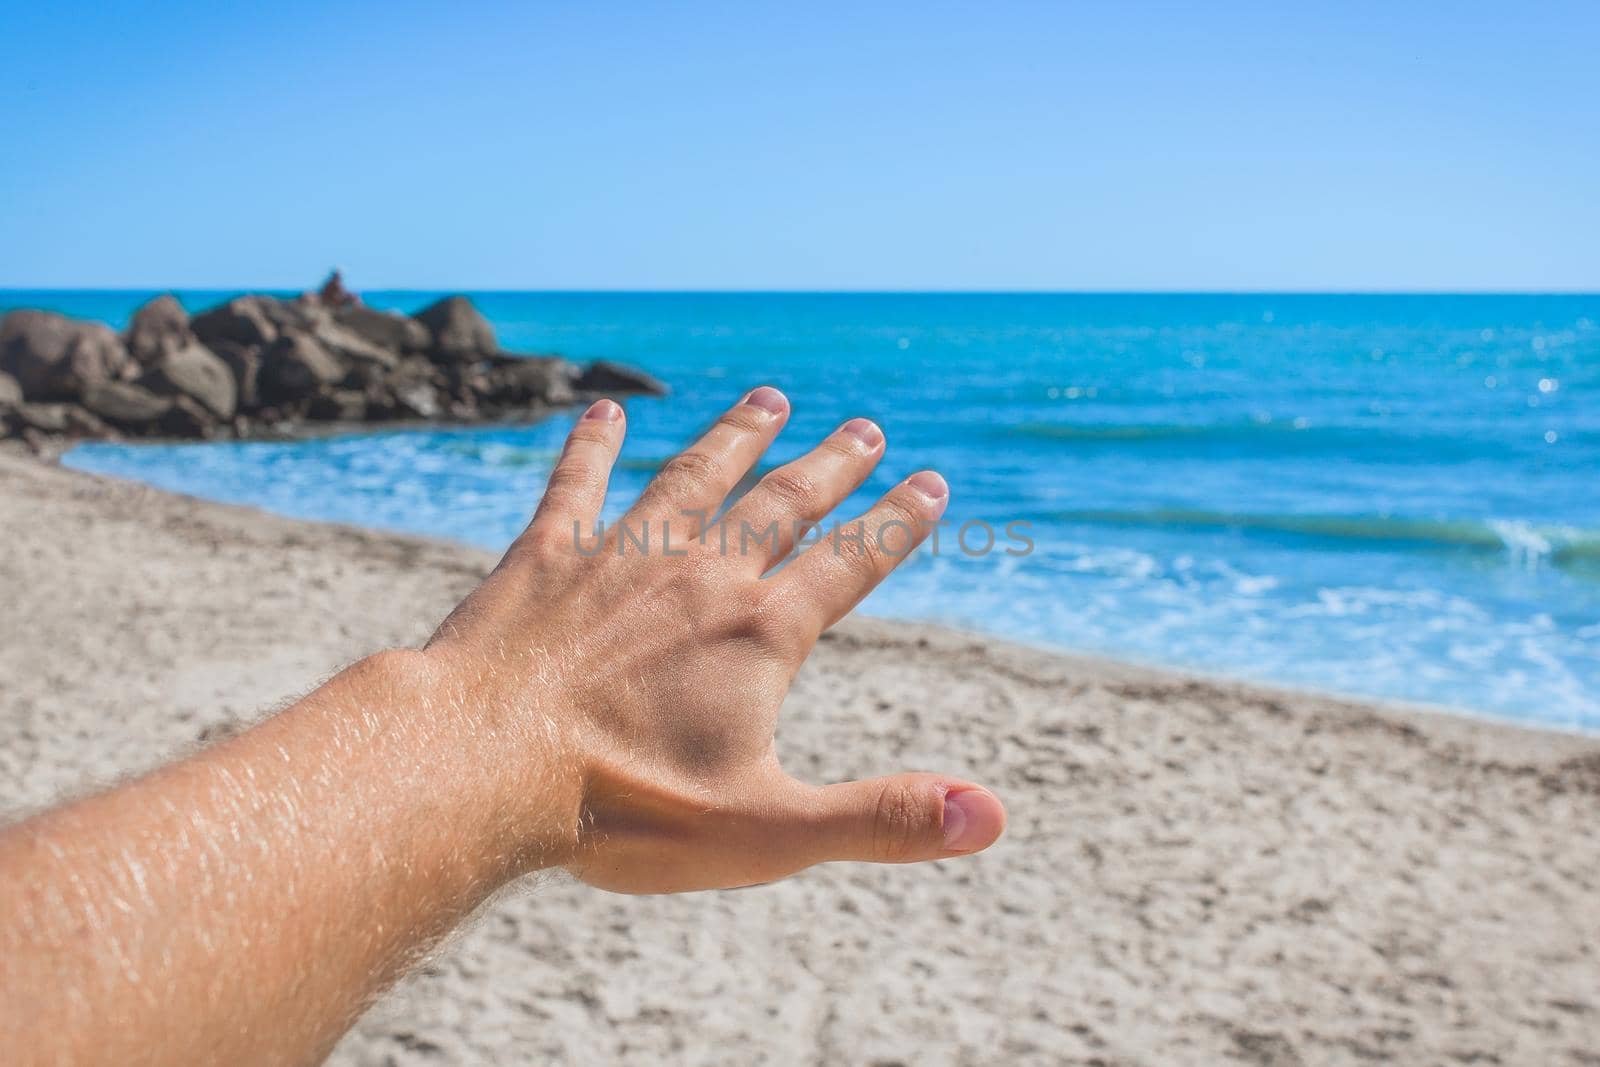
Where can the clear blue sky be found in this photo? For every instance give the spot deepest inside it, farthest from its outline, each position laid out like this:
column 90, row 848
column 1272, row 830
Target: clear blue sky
column 1368, row 146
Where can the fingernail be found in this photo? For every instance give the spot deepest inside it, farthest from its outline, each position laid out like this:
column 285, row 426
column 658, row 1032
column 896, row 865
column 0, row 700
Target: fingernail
column 604, row 411
column 966, row 820
column 864, row 430
column 930, row 485
column 768, row 399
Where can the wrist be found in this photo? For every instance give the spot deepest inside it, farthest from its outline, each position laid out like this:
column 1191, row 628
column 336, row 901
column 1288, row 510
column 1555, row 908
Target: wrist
column 502, row 777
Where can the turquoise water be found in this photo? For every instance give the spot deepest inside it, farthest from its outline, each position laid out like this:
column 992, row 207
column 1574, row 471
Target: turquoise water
column 1384, row 495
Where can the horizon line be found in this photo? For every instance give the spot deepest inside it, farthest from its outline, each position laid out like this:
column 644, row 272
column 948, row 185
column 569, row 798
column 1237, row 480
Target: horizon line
column 607, row 291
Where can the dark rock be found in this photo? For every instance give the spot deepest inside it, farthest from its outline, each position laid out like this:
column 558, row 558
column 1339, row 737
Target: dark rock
column 460, row 334
column 416, row 389
column 59, row 420
column 354, row 348
column 304, row 313
column 259, row 364
column 46, row 418
column 420, row 369
column 245, row 320
column 518, row 381
column 296, row 367
column 467, row 381
column 196, row 372
column 53, row 357
column 604, row 376
column 381, row 404
column 244, row 362
column 157, row 328
column 187, row 417
column 43, row 445
column 81, row 423
column 366, row 375
column 340, row 405
column 418, row 400
column 387, row 329
column 285, row 415
column 130, row 407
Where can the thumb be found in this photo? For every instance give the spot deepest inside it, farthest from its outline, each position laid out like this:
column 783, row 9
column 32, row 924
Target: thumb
column 905, row 818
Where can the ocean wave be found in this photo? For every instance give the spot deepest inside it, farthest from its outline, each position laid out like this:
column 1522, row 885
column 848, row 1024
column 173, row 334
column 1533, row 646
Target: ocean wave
column 1055, row 431
column 496, row 454
column 1399, row 440
column 1562, row 545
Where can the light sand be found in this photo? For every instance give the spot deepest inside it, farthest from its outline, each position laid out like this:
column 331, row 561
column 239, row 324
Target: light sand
column 1195, row 871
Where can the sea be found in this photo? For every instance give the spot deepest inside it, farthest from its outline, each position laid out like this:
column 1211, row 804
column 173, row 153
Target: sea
column 1392, row 496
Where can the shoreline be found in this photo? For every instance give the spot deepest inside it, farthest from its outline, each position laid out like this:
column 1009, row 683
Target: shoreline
column 1404, row 709
column 878, row 630
column 1196, row 870
column 1102, row 659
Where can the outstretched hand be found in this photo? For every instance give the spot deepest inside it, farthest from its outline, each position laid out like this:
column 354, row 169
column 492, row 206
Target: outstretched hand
column 604, row 702
column 648, row 661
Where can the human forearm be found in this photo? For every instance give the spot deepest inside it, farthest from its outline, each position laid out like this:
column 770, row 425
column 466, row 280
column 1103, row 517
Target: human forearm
column 243, row 905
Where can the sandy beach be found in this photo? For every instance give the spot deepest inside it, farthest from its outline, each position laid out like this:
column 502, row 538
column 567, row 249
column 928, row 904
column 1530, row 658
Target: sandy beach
column 1196, row 871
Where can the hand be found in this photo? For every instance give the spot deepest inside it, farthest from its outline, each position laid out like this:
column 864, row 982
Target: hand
column 608, row 706
column 648, row 665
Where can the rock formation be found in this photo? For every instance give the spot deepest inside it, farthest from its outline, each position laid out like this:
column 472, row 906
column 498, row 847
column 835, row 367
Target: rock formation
column 262, row 366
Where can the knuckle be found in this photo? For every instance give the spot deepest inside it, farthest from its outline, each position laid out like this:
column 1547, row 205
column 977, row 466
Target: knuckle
column 791, row 485
column 570, row 479
column 690, row 471
column 900, row 823
column 899, row 506
column 573, row 474
column 843, row 447
column 588, row 434
column 550, row 541
column 742, row 420
column 892, row 531
column 541, row 545
column 773, row 624
column 857, row 544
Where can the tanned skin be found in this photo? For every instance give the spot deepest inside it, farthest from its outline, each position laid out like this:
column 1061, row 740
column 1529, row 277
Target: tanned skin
column 609, row 712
